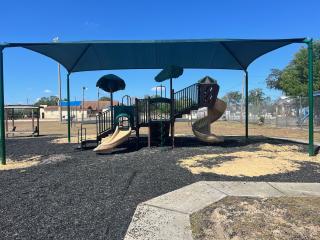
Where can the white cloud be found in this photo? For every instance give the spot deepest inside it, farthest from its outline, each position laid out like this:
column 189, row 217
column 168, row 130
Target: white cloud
column 47, row 91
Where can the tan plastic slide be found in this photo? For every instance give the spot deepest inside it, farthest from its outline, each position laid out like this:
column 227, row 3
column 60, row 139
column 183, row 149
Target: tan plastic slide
column 201, row 127
column 108, row 143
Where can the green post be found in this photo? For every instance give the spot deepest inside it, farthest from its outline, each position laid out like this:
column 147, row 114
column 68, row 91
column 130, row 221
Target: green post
column 247, row 104
column 2, row 131
column 111, row 108
column 69, row 115
column 310, row 93
column 171, row 112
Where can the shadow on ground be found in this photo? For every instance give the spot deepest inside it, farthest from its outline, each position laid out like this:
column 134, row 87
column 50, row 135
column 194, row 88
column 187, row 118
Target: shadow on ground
column 91, row 196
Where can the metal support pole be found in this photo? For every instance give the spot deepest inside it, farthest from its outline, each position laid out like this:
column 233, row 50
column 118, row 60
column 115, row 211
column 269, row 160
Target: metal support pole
column 32, row 116
column 247, row 104
column 82, row 116
column 69, row 115
column 2, row 131
column 172, row 113
column 98, row 108
column 59, row 89
column 111, row 108
column 38, row 122
column 310, row 93
column 7, row 126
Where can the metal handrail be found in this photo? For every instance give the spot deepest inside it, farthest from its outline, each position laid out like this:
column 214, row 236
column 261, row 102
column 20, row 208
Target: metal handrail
column 103, row 122
column 186, row 99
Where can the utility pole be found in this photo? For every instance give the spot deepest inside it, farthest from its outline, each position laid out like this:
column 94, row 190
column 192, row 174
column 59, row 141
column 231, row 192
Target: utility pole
column 59, row 87
column 55, row 40
column 98, row 108
column 83, row 89
column 242, row 99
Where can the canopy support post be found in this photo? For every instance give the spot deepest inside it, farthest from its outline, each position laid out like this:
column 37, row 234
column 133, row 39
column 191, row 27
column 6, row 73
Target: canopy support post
column 2, row 131
column 247, row 104
column 171, row 113
column 111, row 108
column 310, row 97
column 68, row 100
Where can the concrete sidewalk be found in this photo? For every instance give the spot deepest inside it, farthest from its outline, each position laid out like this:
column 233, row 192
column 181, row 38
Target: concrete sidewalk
column 167, row 216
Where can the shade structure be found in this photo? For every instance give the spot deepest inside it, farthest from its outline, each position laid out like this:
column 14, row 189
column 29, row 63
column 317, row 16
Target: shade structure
column 169, row 72
column 111, row 83
column 157, row 54
column 235, row 54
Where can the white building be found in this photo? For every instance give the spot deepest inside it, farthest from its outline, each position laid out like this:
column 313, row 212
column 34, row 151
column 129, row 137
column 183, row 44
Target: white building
column 91, row 108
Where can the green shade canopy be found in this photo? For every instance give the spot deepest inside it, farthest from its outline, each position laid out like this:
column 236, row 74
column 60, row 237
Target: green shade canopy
column 203, row 53
column 111, row 83
column 169, row 72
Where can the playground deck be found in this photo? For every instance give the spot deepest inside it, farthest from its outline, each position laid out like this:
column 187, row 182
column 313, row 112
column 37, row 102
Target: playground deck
column 74, row 194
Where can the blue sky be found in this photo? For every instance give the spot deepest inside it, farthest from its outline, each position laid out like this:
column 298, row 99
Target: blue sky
column 29, row 75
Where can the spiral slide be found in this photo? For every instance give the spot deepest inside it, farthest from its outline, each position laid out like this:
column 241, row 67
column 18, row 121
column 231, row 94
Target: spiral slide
column 201, row 127
column 119, row 136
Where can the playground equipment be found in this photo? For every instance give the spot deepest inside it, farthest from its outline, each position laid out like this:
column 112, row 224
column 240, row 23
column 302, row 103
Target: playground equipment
column 13, row 112
column 120, row 135
column 158, row 114
column 201, row 127
column 235, row 54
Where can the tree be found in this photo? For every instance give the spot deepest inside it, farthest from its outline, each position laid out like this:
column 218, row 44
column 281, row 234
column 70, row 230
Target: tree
column 104, row 98
column 258, row 100
column 50, row 101
column 293, row 79
column 233, row 97
column 256, row 96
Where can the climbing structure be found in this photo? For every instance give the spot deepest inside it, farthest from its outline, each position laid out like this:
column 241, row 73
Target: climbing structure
column 155, row 113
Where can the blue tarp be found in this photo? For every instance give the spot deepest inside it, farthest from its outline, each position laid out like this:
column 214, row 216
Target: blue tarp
column 72, row 103
column 196, row 53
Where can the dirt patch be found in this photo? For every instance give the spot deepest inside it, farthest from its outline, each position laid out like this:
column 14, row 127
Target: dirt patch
column 24, row 163
column 255, row 218
column 251, row 160
column 33, row 161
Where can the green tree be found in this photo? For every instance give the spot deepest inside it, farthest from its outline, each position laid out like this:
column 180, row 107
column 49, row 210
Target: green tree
column 293, row 79
column 256, row 96
column 258, row 100
column 104, row 98
column 50, row 101
column 233, row 97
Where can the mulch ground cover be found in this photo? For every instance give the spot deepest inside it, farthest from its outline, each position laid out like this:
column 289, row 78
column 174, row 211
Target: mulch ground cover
column 72, row 194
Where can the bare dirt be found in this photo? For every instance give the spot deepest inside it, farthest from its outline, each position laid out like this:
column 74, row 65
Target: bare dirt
column 220, row 128
column 251, row 160
column 256, row 218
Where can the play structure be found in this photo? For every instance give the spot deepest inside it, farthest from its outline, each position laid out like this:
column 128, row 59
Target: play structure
column 23, row 113
column 158, row 113
column 236, row 54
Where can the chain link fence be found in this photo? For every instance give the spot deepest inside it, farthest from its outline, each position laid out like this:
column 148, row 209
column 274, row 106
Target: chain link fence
column 284, row 112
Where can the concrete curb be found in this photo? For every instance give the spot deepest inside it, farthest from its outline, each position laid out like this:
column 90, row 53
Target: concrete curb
column 167, row 216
